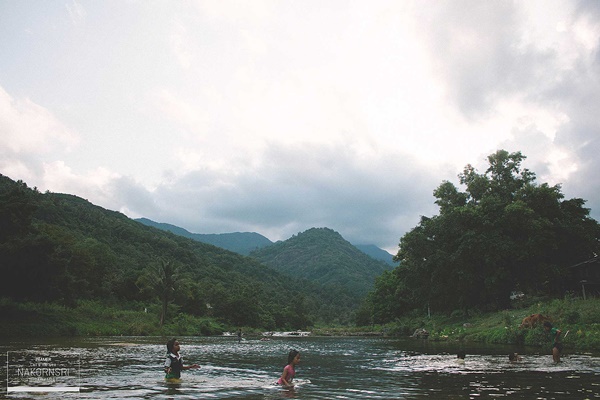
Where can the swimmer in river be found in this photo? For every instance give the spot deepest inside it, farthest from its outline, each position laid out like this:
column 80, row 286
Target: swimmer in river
column 174, row 362
column 287, row 376
column 514, row 357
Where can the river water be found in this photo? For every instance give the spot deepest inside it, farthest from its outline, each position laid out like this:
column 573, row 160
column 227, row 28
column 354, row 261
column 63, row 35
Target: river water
column 330, row 367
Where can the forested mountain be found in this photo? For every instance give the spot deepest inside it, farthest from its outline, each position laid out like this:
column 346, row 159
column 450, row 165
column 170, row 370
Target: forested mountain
column 375, row 252
column 238, row 242
column 246, row 242
column 60, row 248
column 323, row 256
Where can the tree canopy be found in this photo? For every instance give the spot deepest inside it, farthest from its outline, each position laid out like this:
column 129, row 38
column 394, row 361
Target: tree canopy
column 503, row 233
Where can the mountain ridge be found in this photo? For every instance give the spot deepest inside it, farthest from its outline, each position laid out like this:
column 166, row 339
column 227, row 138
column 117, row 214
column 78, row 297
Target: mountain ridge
column 323, row 256
column 238, row 242
column 246, row 242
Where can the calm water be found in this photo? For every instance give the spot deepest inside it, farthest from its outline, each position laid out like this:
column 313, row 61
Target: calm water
column 340, row 368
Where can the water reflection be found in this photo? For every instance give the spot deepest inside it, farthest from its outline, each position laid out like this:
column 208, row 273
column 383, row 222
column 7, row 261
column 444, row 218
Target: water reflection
column 350, row 368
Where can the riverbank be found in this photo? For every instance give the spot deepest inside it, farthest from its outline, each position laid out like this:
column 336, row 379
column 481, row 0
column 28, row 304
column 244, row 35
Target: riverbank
column 580, row 318
column 92, row 318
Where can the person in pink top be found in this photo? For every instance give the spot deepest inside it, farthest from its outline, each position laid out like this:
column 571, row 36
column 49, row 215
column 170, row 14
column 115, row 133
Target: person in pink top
column 287, row 376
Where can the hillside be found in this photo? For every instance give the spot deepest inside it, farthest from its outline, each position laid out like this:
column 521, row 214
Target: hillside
column 323, row 256
column 238, row 242
column 375, row 252
column 58, row 248
column 246, row 242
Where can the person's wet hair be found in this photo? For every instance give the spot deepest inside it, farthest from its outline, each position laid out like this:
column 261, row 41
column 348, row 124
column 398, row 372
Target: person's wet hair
column 170, row 345
column 292, row 355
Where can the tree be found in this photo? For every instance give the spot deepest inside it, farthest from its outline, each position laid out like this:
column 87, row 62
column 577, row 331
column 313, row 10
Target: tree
column 162, row 280
column 502, row 232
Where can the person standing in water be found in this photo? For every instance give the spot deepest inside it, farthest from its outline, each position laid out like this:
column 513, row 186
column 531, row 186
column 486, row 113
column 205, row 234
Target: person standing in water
column 514, row 357
column 289, row 371
column 174, row 362
column 556, row 345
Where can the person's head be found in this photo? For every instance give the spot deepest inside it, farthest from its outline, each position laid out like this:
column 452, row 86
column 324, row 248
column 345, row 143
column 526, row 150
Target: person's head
column 513, row 356
column 173, row 346
column 461, row 354
column 293, row 357
column 547, row 325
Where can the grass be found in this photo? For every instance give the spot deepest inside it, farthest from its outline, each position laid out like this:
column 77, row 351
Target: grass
column 581, row 318
column 92, row 318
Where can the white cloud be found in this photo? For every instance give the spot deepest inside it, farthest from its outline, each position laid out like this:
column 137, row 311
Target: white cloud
column 30, row 128
column 180, row 43
column 76, row 12
column 29, row 133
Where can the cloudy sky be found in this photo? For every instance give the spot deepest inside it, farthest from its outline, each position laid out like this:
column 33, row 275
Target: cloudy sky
column 278, row 116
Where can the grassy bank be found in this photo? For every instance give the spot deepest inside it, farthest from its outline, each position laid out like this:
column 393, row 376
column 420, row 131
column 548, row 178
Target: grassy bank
column 91, row 318
column 581, row 318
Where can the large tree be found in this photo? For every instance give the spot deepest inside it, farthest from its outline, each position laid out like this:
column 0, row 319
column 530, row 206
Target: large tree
column 503, row 232
column 164, row 280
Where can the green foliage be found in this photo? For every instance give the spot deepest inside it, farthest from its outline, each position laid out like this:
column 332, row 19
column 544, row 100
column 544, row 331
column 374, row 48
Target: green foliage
column 164, row 280
column 503, row 233
column 323, row 257
column 95, row 318
column 61, row 249
column 580, row 318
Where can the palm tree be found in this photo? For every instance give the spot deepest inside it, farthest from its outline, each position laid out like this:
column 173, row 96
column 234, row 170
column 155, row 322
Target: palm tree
column 162, row 279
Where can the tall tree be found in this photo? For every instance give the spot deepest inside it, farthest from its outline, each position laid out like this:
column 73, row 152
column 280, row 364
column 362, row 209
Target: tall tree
column 502, row 232
column 163, row 279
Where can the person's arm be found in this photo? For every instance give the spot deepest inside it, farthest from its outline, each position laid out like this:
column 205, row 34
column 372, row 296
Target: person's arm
column 167, row 367
column 193, row 366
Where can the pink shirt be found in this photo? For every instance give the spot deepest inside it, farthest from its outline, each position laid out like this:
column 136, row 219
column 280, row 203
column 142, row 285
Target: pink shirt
column 289, row 373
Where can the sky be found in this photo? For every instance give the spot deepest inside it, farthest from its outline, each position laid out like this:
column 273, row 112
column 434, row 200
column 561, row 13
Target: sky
column 279, row 116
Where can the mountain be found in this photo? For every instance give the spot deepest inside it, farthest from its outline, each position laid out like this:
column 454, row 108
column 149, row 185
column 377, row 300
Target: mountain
column 238, row 242
column 323, row 256
column 246, row 242
column 61, row 249
column 377, row 253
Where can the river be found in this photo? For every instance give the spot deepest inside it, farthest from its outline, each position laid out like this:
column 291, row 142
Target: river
column 330, row 367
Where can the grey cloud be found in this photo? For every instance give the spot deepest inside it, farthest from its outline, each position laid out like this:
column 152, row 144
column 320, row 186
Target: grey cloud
column 130, row 194
column 477, row 78
column 301, row 187
column 477, row 47
column 589, row 7
column 578, row 95
column 472, row 43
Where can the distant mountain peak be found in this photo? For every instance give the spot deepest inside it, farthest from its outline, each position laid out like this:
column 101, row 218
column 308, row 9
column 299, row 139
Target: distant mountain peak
column 322, row 255
column 238, row 242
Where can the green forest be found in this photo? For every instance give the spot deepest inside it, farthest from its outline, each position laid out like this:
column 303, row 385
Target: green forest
column 503, row 234
column 324, row 256
column 60, row 252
